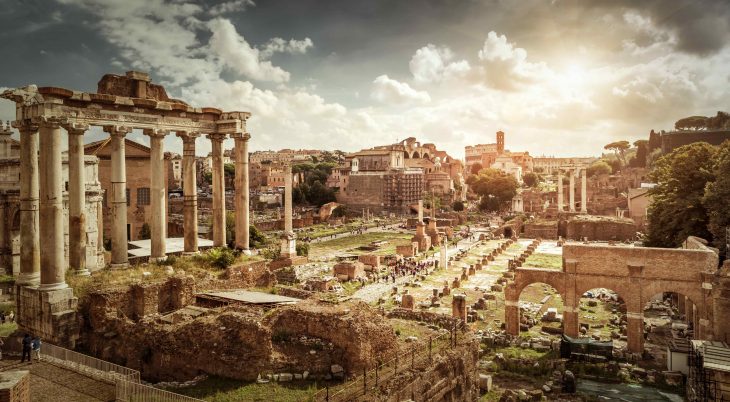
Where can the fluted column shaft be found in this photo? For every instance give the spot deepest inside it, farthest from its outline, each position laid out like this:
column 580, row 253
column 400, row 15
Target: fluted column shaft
column 119, row 195
column 219, row 191
column 30, row 257
column 76, row 198
column 583, row 194
column 571, row 207
column 242, row 199
column 53, row 261
column 157, row 194
column 190, row 193
column 288, row 210
column 560, row 191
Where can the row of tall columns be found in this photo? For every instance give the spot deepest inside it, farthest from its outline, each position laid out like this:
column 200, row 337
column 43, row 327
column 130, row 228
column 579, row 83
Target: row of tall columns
column 41, row 198
column 571, row 192
column 158, row 196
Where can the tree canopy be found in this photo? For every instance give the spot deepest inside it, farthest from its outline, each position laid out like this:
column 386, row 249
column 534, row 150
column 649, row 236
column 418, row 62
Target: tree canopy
column 677, row 209
column 531, row 179
column 619, row 148
column 598, row 168
column 495, row 187
column 717, row 198
column 313, row 190
column 475, row 168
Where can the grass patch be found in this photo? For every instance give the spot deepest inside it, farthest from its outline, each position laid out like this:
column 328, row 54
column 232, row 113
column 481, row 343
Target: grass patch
column 542, row 260
column 217, row 389
column 8, row 328
column 349, row 244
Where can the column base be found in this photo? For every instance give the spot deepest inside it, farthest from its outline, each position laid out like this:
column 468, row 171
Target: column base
column 46, row 287
column 245, row 251
column 157, row 259
column 119, row 265
column 190, row 253
column 29, row 279
column 50, row 314
column 82, row 272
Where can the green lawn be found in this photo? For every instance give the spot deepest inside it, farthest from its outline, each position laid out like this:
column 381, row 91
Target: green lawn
column 548, row 261
column 349, row 244
column 216, row 389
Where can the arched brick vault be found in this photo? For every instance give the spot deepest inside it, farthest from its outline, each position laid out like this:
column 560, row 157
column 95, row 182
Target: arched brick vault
column 635, row 273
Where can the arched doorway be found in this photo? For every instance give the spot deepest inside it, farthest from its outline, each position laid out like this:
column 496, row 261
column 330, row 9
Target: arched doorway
column 602, row 316
column 540, row 310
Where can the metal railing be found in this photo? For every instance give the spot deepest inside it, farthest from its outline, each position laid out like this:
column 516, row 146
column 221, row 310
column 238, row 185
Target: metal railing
column 127, row 391
column 370, row 380
column 87, row 365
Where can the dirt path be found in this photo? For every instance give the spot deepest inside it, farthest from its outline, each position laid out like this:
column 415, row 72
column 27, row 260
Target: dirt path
column 52, row 383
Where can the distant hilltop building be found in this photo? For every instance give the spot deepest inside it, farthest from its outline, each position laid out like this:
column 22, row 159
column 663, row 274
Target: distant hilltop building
column 713, row 130
column 495, row 156
column 394, row 177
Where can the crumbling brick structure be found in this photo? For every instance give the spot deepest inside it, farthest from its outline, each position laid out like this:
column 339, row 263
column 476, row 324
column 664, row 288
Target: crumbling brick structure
column 635, row 273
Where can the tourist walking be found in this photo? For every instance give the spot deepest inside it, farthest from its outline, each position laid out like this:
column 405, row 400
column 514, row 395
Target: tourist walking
column 36, row 345
column 27, row 340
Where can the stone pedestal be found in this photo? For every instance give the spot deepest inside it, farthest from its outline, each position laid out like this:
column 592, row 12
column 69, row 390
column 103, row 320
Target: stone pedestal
column 15, row 386
column 423, row 241
column 49, row 314
column 288, row 245
column 458, row 307
column 407, row 302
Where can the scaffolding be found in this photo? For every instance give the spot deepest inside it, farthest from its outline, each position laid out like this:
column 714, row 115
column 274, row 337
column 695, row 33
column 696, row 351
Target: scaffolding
column 709, row 371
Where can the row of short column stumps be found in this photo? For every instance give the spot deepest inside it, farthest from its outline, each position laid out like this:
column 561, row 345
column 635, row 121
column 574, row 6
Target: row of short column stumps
column 515, row 263
column 459, row 308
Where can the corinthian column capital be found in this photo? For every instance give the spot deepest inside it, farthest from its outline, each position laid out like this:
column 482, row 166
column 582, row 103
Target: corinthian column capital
column 49, row 122
column 241, row 136
column 219, row 137
column 26, row 125
column 187, row 136
column 155, row 132
column 75, row 128
column 117, row 130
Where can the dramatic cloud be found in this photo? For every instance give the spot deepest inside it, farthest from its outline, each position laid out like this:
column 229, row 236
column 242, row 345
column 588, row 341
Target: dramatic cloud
column 279, row 45
column 433, row 64
column 388, row 90
column 230, row 7
column 236, row 54
column 558, row 77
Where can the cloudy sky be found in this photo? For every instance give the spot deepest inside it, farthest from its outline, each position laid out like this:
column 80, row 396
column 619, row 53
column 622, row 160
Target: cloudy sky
column 559, row 77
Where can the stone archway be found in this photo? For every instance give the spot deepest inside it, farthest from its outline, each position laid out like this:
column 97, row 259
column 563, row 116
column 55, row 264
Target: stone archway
column 638, row 272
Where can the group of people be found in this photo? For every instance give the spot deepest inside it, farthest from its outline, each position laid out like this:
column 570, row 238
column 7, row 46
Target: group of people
column 407, row 267
column 31, row 344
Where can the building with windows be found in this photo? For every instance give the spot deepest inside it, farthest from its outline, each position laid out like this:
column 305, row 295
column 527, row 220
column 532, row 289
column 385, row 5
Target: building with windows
column 138, row 170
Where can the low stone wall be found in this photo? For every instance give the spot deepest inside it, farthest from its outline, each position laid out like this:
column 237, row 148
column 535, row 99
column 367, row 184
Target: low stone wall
column 600, row 228
column 542, row 230
column 250, row 274
column 441, row 320
column 289, row 291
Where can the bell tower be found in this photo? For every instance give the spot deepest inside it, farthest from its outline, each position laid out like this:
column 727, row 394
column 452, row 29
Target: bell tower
column 500, row 142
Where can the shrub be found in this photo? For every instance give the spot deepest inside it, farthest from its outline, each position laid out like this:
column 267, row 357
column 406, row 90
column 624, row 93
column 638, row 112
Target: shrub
column 221, row 257
column 302, row 248
column 458, row 206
